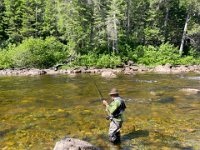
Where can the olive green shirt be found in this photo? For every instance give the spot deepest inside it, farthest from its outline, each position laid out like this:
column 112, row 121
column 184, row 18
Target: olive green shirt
column 113, row 106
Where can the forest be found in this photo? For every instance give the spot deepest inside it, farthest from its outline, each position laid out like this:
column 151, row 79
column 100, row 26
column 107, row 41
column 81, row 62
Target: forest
column 99, row 33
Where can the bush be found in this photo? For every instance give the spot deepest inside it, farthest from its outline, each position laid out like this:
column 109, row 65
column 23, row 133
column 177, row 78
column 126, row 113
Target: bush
column 5, row 60
column 108, row 61
column 103, row 60
column 150, row 55
column 189, row 60
column 86, row 60
column 38, row 53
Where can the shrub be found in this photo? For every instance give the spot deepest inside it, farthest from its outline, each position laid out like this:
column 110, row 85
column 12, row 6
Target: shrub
column 108, row 61
column 164, row 54
column 103, row 60
column 38, row 53
column 188, row 60
column 87, row 60
column 5, row 60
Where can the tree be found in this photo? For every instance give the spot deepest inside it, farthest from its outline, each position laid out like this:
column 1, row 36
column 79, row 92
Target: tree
column 32, row 18
column 13, row 19
column 113, row 19
column 49, row 26
column 193, row 9
column 69, row 23
column 98, row 27
column 2, row 24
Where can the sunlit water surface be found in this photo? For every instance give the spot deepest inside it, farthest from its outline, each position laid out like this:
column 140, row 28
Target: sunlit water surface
column 35, row 112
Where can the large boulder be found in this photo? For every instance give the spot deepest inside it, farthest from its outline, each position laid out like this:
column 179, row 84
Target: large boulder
column 73, row 144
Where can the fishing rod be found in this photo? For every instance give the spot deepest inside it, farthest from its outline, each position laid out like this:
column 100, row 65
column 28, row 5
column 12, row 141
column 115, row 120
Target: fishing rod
column 99, row 92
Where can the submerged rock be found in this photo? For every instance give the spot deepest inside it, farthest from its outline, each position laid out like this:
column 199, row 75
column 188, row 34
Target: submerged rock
column 73, row 144
column 189, row 91
column 166, row 100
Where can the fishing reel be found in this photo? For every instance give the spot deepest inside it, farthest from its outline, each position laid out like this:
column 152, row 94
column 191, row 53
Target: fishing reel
column 109, row 117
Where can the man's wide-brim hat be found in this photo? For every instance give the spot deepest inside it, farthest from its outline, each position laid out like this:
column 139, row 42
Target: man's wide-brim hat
column 113, row 91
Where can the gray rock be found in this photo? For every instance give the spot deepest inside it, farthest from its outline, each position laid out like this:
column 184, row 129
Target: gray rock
column 73, row 144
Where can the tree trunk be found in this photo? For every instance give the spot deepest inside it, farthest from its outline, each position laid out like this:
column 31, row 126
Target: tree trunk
column 128, row 19
column 184, row 35
column 115, row 38
column 166, row 23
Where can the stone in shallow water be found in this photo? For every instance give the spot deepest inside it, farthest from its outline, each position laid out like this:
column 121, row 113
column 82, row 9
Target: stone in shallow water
column 166, row 100
column 73, row 144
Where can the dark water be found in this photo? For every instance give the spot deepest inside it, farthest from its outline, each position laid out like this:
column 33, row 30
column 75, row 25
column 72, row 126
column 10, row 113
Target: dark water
column 35, row 112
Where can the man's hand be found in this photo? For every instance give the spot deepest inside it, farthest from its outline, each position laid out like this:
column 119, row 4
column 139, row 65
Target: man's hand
column 105, row 103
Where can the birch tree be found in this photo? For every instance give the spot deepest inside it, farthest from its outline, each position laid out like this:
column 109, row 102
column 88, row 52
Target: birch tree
column 193, row 9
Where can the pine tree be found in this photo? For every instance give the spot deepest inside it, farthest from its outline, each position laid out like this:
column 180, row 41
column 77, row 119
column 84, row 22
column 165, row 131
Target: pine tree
column 113, row 20
column 98, row 28
column 2, row 24
column 32, row 18
column 69, row 24
column 13, row 19
column 49, row 26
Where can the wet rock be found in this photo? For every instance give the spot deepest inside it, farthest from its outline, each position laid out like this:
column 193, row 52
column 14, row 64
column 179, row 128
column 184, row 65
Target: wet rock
column 163, row 69
column 130, row 63
column 189, row 91
column 73, row 144
column 128, row 70
column 108, row 74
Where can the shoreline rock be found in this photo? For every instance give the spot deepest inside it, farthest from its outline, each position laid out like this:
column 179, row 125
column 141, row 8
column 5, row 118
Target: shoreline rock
column 105, row 72
column 73, row 144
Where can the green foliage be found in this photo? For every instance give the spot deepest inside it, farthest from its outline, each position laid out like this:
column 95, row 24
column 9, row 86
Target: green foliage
column 166, row 53
column 108, row 61
column 5, row 60
column 134, row 29
column 188, row 60
column 34, row 53
column 103, row 60
column 87, row 60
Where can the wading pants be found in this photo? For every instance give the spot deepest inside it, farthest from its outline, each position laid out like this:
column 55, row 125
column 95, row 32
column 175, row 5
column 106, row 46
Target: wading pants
column 114, row 131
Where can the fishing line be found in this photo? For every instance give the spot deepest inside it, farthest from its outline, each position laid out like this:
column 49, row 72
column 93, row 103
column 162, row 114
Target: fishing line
column 99, row 92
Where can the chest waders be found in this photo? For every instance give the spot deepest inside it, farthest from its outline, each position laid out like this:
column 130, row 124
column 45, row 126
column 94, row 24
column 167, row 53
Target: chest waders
column 114, row 130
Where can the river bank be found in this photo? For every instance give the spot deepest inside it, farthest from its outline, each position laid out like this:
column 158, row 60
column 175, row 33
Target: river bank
column 105, row 72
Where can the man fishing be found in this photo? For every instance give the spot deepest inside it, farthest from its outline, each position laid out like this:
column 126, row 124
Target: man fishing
column 115, row 110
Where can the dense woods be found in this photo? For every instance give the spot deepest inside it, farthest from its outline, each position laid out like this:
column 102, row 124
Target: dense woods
column 103, row 33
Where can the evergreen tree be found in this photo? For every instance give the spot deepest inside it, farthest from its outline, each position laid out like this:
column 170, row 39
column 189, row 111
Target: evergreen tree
column 68, row 24
column 32, row 18
column 98, row 27
column 49, row 26
column 13, row 19
column 2, row 24
column 113, row 20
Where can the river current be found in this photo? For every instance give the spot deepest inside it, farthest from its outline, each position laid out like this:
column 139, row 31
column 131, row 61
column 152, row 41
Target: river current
column 37, row 111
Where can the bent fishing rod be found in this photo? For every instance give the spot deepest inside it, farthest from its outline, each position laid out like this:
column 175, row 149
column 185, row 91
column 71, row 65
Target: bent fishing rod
column 99, row 92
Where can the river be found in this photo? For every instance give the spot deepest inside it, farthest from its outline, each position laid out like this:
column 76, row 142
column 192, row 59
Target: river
column 37, row 111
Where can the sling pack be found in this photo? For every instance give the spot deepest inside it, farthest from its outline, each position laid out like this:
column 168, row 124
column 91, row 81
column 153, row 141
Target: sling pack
column 120, row 109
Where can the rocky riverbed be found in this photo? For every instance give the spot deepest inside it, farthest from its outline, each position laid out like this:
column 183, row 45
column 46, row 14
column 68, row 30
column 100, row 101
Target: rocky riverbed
column 105, row 72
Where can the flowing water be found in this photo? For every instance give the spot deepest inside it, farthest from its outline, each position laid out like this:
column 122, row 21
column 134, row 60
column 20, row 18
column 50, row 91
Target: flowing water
column 35, row 112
